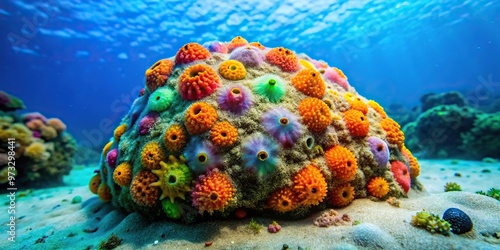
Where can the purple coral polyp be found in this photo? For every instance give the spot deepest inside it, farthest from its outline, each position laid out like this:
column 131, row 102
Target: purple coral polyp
column 147, row 122
column 250, row 56
column 379, row 150
column 236, row 99
column 111, row 157
column 283, row 125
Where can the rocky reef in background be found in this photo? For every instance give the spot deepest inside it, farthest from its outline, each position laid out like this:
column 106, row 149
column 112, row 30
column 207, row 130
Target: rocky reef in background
column 448, row 127
column 230, row 128
column 43, row 149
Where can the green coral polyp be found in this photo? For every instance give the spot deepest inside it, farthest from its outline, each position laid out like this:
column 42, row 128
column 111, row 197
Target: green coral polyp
column 174, row 178
column 452, row 186
column 270, row 86
column 172, row 210
column 431, row 222
column 161, row 99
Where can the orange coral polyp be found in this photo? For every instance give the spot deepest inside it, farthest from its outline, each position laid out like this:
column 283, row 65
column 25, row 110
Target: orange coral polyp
column 375, row 106
column 94, row 183
column 310, row 83
column 152, row 155
column 142, row 192
column 283, row 200
column 158, row 73
column 393, row 131
column 232, row 70
column 236, row 42
column 357, row 123
column 119, row 131
column 104, row 193
column 191, row 52
column 315, row 114
column 197, row 82
column 106, row 148
column 414, row 166
column 378, row 187
column 258, row 45
column 356, row 103
column 123, row 174
column 309, row 185
column 223, row 134
column 200, row 117
column 175, row 138
column 342, row 195
column 213, row 192
column 283, row 58
column 342, row 163
column 341, row 74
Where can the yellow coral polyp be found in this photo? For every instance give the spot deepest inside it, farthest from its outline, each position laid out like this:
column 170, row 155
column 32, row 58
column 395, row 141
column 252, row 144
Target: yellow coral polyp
column 36, row 151
column 175, row 138
column 152, row 155
column 106, row 148
column 375, row 106
column 104, row 192
column 306, row 64
column 393, row 131
column 341, row 74
column 223, row 134
column 119, row 131
column 94, row 183
column 123, row 174
column 378, row 187
column 356, row 102
column 283, row 200
column 310, row 185
column 232, row 70
column 342, row 195
column 174, row 178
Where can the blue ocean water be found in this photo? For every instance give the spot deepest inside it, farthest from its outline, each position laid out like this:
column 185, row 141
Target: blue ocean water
column 84, row 61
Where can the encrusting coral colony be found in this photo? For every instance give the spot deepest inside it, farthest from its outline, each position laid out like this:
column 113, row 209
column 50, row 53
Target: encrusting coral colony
column 229, row 126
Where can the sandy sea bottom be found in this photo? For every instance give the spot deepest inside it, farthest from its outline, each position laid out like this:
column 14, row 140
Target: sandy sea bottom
column 47, row 219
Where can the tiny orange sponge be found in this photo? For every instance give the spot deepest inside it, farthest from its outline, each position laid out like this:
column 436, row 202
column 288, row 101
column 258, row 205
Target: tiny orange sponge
column 119, row 131
column 152, row 155
column 283, row 58
column 258, row 45
column 315, row 114
column 232, row 70
column 200, row 117
column 197, row 82
column 309, row 185
column 213, row 192
column 223, row 134
column 175, row 138
column 393, row 131
column 356, row 102
column 378, row 187
column 141, row 190
column 283, row 200
column 342, row 195
column 123, row 174
column 357, row 123
column 157, row 75
column 236, row 42
column 104, row 192
column 341, row 162
column 94, row 183
column 414, row 166
column 310, row 83
column 191, row 52
column 375, row 106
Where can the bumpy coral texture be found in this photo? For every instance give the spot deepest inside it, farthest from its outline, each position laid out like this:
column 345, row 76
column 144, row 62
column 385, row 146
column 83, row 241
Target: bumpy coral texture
column 375, row 106
column 310, row 185
column 200, row 117
column 157, row 75
column 282, row 125
column 235, row 98
column 414, row 166
column 357, row 123
column 223, row 134
column 147, row 122
column 175, row 138
column 197, row 82
column 378, row 187
column 393, row 131
column 356, row 103
column 232, row 70
column 151, row 155
column 119, row 131
column 57, row 124
column 213, row 192
column 401, row 174
column 161, row 99
column 191, row 52
column 283, row 200
column 174, row 179
column 141, row 190
column 310, row 83
column 285, row 59
column 236, row 42
column 123, row 174
column 250, row 56
column 315, row 114
column 342, row 163
column 111, row 157
column 342, row 195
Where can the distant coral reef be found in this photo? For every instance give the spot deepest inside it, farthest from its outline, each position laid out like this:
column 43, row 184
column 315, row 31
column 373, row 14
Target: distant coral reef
column 43, row 149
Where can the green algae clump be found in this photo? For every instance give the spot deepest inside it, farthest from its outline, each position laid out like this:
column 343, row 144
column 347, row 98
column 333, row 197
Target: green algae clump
column 431, row 222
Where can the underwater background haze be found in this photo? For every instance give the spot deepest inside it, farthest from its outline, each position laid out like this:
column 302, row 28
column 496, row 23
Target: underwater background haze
column 84, row 61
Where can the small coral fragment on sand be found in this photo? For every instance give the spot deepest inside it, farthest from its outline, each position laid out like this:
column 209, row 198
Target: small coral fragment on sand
column 333, row 218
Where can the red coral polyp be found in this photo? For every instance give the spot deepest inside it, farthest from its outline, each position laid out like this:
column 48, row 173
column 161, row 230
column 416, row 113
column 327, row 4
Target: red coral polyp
column 197, row 82
column 213, row 192
column 191, row 52
column 283, row 58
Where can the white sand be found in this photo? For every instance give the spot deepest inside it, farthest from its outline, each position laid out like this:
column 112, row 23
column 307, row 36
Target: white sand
column 43, row 213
